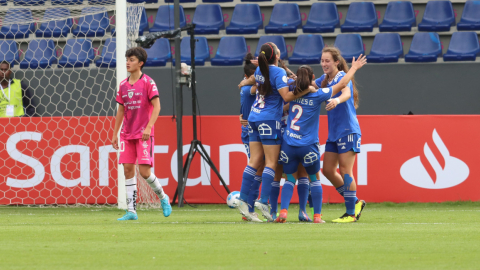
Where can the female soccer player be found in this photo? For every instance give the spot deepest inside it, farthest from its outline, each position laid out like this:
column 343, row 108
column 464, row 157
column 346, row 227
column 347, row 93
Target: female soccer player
column 301, row 137
column 139, row 106
column 344, row 136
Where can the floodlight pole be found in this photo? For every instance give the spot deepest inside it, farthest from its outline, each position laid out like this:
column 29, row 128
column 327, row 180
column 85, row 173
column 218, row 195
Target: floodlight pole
column 179, row 101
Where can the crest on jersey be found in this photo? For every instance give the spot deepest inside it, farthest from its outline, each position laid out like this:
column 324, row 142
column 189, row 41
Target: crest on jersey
column 310, row 158
column 265, row 129
column 283, row 157
column 152, row 82
column 285, row 79
column 326, row 90
column 130, row 94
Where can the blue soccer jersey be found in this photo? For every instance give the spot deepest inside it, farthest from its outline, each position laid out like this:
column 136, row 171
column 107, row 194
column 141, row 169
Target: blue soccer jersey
column 269, row 107
column 246, row 102
column 343, row 119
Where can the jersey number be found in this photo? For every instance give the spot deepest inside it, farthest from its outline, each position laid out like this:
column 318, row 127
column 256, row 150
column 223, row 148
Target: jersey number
column 297, row 117
column 261, row 101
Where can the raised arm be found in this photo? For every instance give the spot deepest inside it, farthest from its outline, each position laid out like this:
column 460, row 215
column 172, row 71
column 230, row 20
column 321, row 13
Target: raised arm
column 249, row 81
column 356, row 65
column 289, row 96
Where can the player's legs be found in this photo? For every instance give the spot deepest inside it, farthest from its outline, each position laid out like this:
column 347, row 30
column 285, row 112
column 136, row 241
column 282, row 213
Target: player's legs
column 330, row 165
column 311, row 162
column 128, row 157
column 271, row 150
column 303, row 189
column 275, row 192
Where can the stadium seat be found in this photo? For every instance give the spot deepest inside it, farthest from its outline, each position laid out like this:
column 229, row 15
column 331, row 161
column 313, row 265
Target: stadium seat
column 399, row 16
column 231, row 51
column 164, row 19
column 246, row 19
column 16, row 30
column 216, row 1
column 108, row 57
column 181, row 1
column 277, row 40
column 151, row 1
column 361, row 17
column 40, row 54
column 59, row 28
column 135, row 1
column 308, row 50
column 94, row 25
column 67, row 2
column 463, row 46
column 256, row 0
column 386, row 48
column 159, row 54
column 9, row 52
column 438, row 16
column 3, row 2
column 425, row 47
column 202, row 51
column 285, row 18
column 208, row 19
column 323, row 18
column 470, row 17
column 350, row 45
column 143, row 23
column 29, row 2
column 77, row 53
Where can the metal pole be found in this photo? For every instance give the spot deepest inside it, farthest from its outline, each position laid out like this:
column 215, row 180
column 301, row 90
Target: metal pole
column 194, row 93
column 179, row 102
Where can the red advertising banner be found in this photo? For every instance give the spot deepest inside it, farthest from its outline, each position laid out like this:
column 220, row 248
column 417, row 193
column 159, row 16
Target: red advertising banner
column 427, row 158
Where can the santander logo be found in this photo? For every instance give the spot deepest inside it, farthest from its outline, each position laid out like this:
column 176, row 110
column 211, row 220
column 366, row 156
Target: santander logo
column 452, row 172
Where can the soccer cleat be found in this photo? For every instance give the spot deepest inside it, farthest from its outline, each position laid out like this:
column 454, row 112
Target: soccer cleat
column 255, row 217
column 359, row 208
column 167, row 208
column 346, row 218
column 274, row 215
column 242, row 207
column 303, row 217
column 244, row 218
column 265, row 209
column 129, row 216
column 317, row 218
column 282, row 218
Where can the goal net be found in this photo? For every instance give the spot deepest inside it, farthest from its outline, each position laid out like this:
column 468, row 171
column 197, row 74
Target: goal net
column 57, row 101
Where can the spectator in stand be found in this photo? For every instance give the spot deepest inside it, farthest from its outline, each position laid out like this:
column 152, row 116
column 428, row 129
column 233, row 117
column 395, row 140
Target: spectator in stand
column 16, row 96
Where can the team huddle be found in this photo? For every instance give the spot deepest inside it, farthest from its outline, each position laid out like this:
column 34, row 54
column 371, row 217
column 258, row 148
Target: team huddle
column 280, row 123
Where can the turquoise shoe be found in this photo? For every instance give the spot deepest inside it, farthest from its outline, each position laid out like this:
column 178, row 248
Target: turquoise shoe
column 129, row 216
column 167, row 208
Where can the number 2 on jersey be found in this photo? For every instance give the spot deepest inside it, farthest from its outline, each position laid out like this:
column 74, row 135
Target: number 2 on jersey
column 297, row 117
column 261, row 101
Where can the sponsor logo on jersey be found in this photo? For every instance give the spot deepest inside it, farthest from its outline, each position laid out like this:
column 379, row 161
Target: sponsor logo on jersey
column 145, row 152
column 295, row 136
column 145, row 144
column 452, row 173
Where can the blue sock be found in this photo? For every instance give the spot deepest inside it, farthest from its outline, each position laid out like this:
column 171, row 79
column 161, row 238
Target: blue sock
column 274, row 193
column 310, row 201
column 248, row 178
column 254, row 190
column 267, row 179
column 287, row 191
column 340, row 189
column 350, row 196
column 302, row 190
column 317, row 193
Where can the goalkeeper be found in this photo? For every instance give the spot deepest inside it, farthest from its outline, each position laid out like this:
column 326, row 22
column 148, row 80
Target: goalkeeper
column 139, row 106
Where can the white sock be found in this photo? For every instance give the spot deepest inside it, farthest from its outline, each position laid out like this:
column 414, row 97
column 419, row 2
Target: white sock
column 131, row 186
column 155, row 185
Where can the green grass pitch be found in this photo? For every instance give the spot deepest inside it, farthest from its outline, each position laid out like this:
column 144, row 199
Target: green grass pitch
column 388, row 236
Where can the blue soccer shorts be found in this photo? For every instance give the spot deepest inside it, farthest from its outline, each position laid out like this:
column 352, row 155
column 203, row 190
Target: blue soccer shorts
column 351, row 142
column 292, row 156
column 267, row 132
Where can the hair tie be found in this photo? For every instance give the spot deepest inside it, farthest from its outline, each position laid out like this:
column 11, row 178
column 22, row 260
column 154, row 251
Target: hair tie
column 263, row 52
column 272, row 51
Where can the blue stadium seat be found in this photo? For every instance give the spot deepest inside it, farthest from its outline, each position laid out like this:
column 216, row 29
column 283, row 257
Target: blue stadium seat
column 94, row 25
column 216, row 1
column 425, row 47
column 181, row 1
column 159, row 54
column 40, row 54
column 59, row 28
column 108, row 57
column 350, row 45
column 463, row 46
column 29, row 2
column 77, row 53
column 471, row 17
column 285, row 18
column 230, row 52
column 3, row 2
column 135, row 1
column 361, row 17
column 246, row 19
column 151, row 1
column 202, row 51
column 164, row 19
column 399, row 16
column 208, row 19
column 438, row 16
column 386, row 48
column 67, row 2
column 143, row 23
column 323, row 18
column 308, row 50
column 277, row 40
column 9, row 52
column 17, row 31
column 256, row 0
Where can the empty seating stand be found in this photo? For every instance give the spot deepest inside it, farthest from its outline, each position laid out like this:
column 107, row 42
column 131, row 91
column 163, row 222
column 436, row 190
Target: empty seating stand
column 425, row 47
column 164, row 19
column 159, row 54
column 143, row 23
column 208, row 19
column 323, row 18
column 11, row 28
column 108, row 57
column 470, row 20
column 277, row 40
column 285, row 18
column 94, row 22
column 231, row 51
column 202, row 51
column 463, row 46
column 386, row 48
column 350, row 45
column 40, row 54
column 59, row 28
column 361, row 17
column 438, row 16
column 67, row 2
column 29, row 2
column 399, row 16
column 308, row 50
column 77, row 53
column 246, row 19
column 9, row 52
